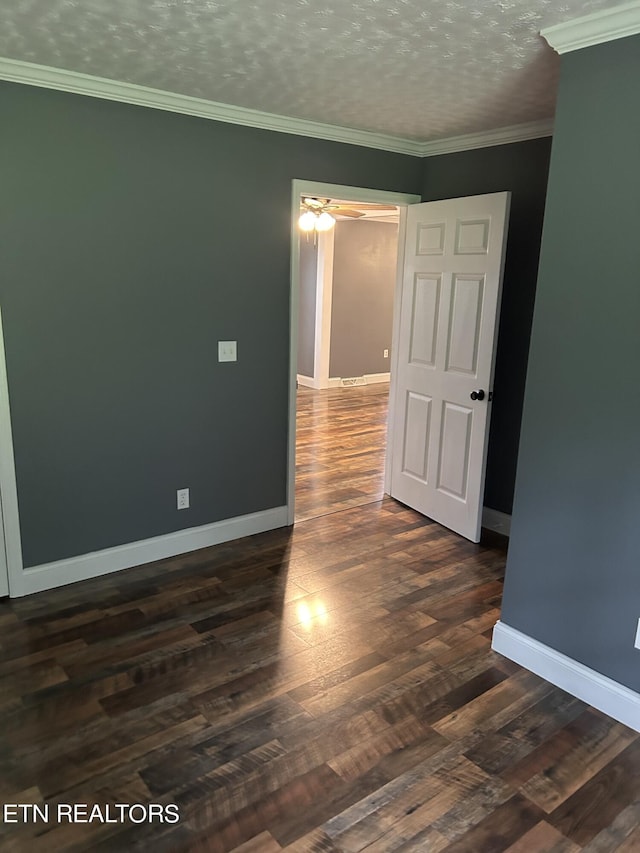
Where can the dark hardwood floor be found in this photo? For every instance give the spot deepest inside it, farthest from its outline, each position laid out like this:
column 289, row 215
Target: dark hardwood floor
column 329, row 687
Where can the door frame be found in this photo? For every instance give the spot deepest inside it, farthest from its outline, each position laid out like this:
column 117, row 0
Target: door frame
column 10, row 540
column 300, row 187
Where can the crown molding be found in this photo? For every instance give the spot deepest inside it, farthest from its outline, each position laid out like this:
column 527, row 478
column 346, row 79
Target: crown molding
column 47, row 77
column 599, row 27
column 484, row 139
column 43, row 76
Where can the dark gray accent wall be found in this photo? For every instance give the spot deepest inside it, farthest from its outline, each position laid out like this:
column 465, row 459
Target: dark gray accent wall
column 132, row 240
column 307, row 305
column 573, row 577
column 522, row 169
column 364, row 275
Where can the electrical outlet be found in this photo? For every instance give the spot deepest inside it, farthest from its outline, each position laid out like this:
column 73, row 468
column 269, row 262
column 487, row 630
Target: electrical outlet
column 227, row 351
column 183, row 498
column 637, row 642
column 385, row 353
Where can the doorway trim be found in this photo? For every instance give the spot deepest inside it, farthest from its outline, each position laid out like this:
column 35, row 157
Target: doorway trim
column 10, row 532
column 301, row 187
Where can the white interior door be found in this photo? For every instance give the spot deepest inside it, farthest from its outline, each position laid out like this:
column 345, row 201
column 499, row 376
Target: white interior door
column 450, row 298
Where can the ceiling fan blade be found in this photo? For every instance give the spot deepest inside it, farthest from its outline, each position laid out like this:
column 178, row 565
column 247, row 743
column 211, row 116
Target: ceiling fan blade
column 345, row 211
column 365, row 206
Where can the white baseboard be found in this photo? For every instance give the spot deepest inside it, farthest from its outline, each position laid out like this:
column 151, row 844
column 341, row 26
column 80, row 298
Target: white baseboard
column 339, row 382
column 597, row 690
column 372, row 378
column 493, row 519
column 96, row 563
column 308, row 381
column 353, row 381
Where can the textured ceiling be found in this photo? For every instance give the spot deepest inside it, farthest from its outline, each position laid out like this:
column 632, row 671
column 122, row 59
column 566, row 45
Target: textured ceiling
column 419, row 69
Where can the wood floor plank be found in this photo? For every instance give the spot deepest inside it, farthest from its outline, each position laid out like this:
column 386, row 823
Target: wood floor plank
column 610, row 837
column 484, row 707
column 409, row 837
column 262, row 843
column 596, row 741
column 316, row 841
column 500, row 828
column 543, row 838
column 415, row 825
column 631, row 844
column 76, row 771
column 359, row 759
column 601, row 799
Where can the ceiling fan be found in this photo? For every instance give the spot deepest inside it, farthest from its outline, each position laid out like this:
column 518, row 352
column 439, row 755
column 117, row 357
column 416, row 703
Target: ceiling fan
column 319, row 214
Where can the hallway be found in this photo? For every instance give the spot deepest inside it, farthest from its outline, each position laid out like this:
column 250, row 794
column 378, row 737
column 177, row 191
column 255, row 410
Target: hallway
column 340, row 448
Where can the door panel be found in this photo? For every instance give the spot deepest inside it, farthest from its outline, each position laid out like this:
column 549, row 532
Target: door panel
column 464, row 323
column 450, row 297
column 424, row 321
column 430, row 238
column 416, row 442
column 472, row 236
column 453, row 467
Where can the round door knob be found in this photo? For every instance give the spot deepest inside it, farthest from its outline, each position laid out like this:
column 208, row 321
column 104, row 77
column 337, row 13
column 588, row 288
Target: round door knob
column 477, row 395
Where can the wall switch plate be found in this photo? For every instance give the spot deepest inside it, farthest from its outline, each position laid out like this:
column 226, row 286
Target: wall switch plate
column 637, row 642
column 227, row 351
column 385, row 353
column 183, row 498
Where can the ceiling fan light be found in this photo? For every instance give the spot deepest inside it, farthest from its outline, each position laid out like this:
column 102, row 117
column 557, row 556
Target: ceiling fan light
column 325, row 221
column 307, row 221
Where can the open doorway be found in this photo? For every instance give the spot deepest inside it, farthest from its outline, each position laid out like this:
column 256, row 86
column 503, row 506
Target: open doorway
column 343, row 294
column 345, row 326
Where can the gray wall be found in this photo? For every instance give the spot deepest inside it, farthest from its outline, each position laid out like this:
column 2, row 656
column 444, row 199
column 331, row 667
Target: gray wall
column 573, row 578
column 364, row 275
column 522, row 169
column 307, row 305
column 132, row 240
